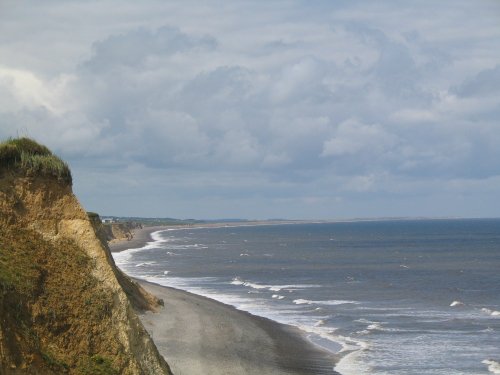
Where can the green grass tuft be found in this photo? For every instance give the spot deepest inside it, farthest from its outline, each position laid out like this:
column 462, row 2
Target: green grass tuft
column 26, row 155
column 29, row 146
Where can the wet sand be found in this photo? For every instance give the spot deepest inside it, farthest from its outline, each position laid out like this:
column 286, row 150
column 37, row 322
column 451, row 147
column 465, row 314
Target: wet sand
column 198, row 335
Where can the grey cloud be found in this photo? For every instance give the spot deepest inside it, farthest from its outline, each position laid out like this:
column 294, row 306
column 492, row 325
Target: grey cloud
column 484, row 83
column 226, row 86
column 395, row 71
column 279, row 46
column 138, row 47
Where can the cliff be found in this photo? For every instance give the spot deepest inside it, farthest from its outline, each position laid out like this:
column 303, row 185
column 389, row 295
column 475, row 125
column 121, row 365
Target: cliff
column 64, row 306
column 119, row 231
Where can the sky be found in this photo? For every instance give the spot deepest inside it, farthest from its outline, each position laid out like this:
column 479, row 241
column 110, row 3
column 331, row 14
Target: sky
column 261, row 109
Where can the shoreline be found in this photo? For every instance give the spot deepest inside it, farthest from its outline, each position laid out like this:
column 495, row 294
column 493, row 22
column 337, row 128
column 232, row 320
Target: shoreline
column 199, row 335
column 141, row 236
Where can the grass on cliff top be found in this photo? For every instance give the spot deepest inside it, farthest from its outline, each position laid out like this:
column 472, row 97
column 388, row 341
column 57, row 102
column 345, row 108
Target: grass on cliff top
column 32, row 158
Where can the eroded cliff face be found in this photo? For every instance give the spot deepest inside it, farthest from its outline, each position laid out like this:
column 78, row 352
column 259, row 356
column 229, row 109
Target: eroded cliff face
column 119, row 231
column 63, row 308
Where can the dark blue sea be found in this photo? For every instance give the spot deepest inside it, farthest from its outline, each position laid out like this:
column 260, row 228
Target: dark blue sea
column 394, row 297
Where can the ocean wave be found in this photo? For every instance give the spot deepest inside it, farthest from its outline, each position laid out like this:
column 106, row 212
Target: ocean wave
column 145, row 263
column 277, row 296
column 156, row 236
column 334, row 302
column 371, row 327
column 456, row 303
column 272, row 288
column 256, row 286
column 493, row 366
column 301, row 301
column 374, row 327
column 491, row 312
column 193, row 246
column 237, row 281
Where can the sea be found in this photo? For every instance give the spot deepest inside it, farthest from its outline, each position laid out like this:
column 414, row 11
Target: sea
column 389, row 296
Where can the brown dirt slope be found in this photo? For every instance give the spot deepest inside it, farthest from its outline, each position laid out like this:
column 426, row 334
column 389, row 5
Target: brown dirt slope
column 64, row 307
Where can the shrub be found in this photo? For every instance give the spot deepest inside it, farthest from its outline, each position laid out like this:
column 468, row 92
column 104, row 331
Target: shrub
column 9, row 154
column 96, row 365
column 54, row 363
column 93, row 215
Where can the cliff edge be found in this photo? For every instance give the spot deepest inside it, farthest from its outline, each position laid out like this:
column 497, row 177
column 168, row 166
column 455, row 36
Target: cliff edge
column 63, row 307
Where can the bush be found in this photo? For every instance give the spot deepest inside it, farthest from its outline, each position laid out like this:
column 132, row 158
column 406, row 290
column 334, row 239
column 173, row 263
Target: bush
column 96, row 365
column 9, row 154
column 93, row 215
column 54, row 363
column 33, row 159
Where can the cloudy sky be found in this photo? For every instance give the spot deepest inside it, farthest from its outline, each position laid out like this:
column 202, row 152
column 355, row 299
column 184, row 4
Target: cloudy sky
column 261, row 109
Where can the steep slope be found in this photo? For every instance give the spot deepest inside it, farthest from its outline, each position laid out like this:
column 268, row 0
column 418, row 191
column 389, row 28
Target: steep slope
column 62, row 307
column 138, row 297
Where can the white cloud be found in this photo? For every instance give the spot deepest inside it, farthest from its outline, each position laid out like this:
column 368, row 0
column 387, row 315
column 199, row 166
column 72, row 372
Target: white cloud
column 25, row 90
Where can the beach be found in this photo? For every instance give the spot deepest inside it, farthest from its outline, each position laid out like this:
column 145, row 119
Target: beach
column 198, row 335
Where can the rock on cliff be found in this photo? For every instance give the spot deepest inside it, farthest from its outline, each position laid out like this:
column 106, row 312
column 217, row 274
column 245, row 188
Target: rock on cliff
column 63, row 307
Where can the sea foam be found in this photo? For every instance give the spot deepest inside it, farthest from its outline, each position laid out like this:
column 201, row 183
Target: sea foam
column 334, row 302
column 493, row 366
column 491, row 312
column 272, row 288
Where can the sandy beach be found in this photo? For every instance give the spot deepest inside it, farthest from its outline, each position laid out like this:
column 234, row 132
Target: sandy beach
column 198, row 335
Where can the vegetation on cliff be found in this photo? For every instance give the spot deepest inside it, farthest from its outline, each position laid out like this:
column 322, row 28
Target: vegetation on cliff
column 26, row 155
column 47, row 294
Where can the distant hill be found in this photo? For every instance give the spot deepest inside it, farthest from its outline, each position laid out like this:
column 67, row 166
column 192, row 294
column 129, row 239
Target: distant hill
column 154, row 221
